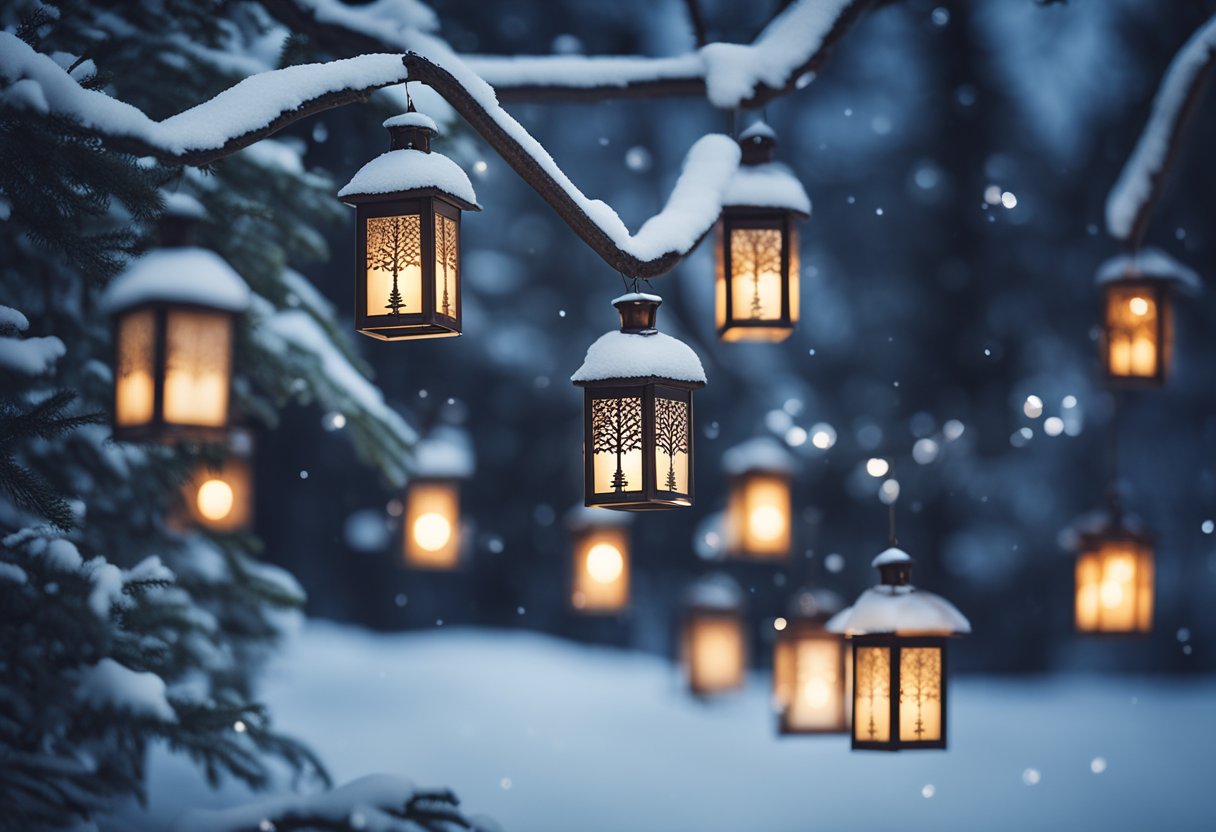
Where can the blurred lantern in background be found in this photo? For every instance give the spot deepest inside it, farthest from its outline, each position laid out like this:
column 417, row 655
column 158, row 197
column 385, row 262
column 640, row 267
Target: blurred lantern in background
column 1114, row 580
column 600, row 566
column 713, row 644
column 432, row 534
column 812, row 671
column 758, row 513
column 407, row 258
column 637, row 413
column 1138, row 322
column 219, row 495
column 174, row 311
column 757, row 282
column 899, row 637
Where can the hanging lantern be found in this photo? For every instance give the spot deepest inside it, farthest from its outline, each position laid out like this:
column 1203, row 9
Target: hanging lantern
column 758, row 515
column 219, row 495
column 174, row 311
column 899, row 659
column 407, row 257
column 638, row 432
column 600, row 567
column 812, row 671
column 432, row 538
column 1138, row 324
column 757, row 283
column 713, row 644
column 1114, row 589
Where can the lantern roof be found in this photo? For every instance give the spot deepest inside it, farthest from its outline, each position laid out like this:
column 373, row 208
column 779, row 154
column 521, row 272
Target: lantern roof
column 1150, row 263
column 397, row 172
column 766, row 185
column 889, row 556
column 641, row 353
column 412, row 118
column 762, row 453
column 760, row 129
column 445, row 453
column 584, row 517
column 716, row 591
column 187, row 275
column 899, row 607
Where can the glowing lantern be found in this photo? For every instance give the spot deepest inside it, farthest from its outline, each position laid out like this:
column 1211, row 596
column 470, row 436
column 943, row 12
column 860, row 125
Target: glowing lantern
column 899, row 659
column 638, row 433
column 713, row 642
column 1114, row 589
column 757, row 282
column 174, row 311
column 1138, row 324
column 600, row 568
column 219, row 496
column 758, row 516
column 432, row 538
column 812, row 671
column 407, row 259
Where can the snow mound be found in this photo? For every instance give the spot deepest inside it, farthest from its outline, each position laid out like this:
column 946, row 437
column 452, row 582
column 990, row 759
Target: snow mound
column 768, row 185
column 630, row 297
column 410, row 170
column 717, row 591
column 900, row 609
column 446, row 452
column 182, row 275
column 889, row 556
column 31, row 356
column 183, row 205
column 759, row 128
column 412, row 120
column 1148, row 262
column 760, row 454
column 625, row 355
column 111, row 684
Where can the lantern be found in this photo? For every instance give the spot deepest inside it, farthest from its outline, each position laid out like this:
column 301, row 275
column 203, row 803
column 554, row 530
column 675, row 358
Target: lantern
column 899, row 637
column 219, row 496
column 174, row 311
column 600, row 567
column 638, row 435
column 1114, row 589
column 812, row 671
column 1138, row 323
column 407, row 257
column 758, row 523
column 757, row 282
column 432, row 538
column 713, row 644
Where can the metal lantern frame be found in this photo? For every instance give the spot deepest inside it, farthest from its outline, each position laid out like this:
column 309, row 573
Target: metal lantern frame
column 733, row 325
column 895, row 644
column 785, row 658
column 1161, row 291
column 1090, row 545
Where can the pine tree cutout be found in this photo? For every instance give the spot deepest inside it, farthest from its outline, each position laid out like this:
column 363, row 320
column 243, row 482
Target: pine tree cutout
column 393, row 245
column 919, row 681
column 445, row 256
column 616, row 428
column 671, row 434
column 754, row 251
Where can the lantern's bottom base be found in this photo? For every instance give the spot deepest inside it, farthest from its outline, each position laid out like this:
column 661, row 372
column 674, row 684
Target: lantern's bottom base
column 1130, row 382
column 768, row 334
column 644, row 505
column 164, row 434
column 935, row 745
column 786, row 730
column 1111, row 633
column 405, row 333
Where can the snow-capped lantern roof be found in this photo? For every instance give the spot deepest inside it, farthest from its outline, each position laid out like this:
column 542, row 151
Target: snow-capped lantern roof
column 1150, row 264
column 410, row 166
column 760, row 182
column 717, row 591
column 895, row 606
column 446, row 453
column 638, row 350
column 582, row 517
column 185, row 274
column 763, row 453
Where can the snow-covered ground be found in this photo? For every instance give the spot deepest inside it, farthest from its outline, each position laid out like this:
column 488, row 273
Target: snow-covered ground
column 545, row 735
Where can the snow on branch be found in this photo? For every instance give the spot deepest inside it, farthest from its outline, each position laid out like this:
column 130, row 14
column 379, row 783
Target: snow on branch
column 1131, row 201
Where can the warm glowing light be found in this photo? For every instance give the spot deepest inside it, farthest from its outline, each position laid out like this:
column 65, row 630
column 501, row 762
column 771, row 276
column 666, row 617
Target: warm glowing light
column 198, row 350
column 1139, row 306
column 877, row 467
column 715, row 656
column 432, row 531
column 767, row 522
column 1134, row 334
column 215, row 499
column 758, row 515
column 1114, row 592
column 779, row 623
column 811, row 679
column 605, row 563
column 134, row 393
column 816, row 693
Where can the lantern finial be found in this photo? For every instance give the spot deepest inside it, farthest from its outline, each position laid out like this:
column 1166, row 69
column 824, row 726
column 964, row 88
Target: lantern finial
column 639, row 313
column 758, row 144
column 411, row 130
column 182, row 214
column 894, row 567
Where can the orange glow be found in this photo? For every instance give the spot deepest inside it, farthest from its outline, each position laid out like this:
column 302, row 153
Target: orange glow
column 134, row 392
column 601, row 570
column 715, row 655
column 198, row 362
column 758, row 516
column 1114, row 590
column 432, row 524
column 221, row 498
column 812, row 680
column 757, row 282
column 1134, row 331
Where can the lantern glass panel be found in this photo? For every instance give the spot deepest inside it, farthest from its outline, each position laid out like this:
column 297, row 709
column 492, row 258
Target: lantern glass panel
column 1133, row 331
column 432, row 525
column 817, row 684
column 617, row 436
column 920, row 689
column 394, row 265
column 795, row 271
column 872, row 695
column 198, row 356
column 756, row 270
column 758, row 516
column 671, row 428
column 601, row 570
column 1114, row 592
column 447, row 265
column 134, row 389
column 715, row 653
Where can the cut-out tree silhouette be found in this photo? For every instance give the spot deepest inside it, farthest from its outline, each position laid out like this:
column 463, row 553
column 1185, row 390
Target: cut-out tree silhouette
column 393, row 245
column 872, row 678
column 920, row 677
column 671, row 433
column 616, row 428
column 755, row 251
column 445, row 255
